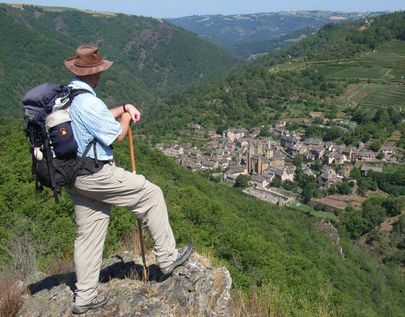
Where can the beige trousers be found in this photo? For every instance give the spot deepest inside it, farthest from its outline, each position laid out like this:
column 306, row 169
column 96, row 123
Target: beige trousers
column 93, row 195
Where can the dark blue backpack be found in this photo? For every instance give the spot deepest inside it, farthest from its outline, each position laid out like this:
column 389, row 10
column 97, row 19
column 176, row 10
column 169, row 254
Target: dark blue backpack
column 47, row 125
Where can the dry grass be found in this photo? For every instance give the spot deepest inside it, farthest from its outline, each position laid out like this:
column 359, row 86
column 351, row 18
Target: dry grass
column 23, row 254
column 61, row 265
column 11, row 297
column 205, row 259
column 271, row 302
column 254, row 304
column 131, row 242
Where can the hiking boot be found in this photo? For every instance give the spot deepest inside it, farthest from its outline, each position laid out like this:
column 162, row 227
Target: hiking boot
column 98, row 301
column 182, row 257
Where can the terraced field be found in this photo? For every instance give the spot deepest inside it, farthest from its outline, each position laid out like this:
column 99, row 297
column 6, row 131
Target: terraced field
column 350, row 71
column 387, row 63
column 376, row 95
column 379, row 76
column 384, row 96
column 391, row 56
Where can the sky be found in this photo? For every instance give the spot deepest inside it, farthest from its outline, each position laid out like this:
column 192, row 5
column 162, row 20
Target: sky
column 179, row 8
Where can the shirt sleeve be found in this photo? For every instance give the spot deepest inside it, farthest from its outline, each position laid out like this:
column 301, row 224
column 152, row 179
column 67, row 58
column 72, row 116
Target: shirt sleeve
column 101, row 122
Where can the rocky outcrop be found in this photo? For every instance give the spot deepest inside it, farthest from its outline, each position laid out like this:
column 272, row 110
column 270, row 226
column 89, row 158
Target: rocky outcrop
column 194, row 289
column 332, row 233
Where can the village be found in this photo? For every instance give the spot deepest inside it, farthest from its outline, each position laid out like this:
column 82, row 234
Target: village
column 268, row 161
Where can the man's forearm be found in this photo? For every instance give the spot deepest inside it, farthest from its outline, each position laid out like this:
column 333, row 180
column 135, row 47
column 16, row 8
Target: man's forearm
column 125, row 121
column 118, row 111
column 127, row 108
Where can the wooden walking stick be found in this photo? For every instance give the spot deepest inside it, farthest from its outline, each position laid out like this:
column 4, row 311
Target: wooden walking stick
column 133, row 165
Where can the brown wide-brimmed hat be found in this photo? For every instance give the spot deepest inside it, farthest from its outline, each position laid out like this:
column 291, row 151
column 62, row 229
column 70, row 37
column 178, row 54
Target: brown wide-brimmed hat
column 87, row 61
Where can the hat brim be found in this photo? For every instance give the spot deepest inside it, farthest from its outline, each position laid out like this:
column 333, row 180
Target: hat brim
column 85, row 71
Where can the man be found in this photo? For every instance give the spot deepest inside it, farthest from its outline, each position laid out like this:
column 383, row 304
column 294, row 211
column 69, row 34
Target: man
column 106, row 184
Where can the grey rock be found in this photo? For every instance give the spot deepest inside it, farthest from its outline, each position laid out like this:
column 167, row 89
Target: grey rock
column 332, row 233
column 194, row 289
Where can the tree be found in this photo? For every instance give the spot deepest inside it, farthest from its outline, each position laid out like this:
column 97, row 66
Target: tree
column 242, row 181
column 276, row 182
column 344, row 188
column 381, row 116
column 308, row 191
column 317, row 166
column 354, row 223
column 393, row 206
column 264, row 132
column 289, row 185
column 375, row 145
column 355, row 173
column 297, row 161
column 332, row 134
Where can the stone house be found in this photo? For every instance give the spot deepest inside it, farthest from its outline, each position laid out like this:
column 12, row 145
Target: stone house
column 313, row 142
column 337, row 158
column 213, row 144
column 366, row 156
column 296, row 149
column 233, row 172
column 230, row 178
column 242, row 143
column 329, row 177
column 237, row 170
column 223, row 163
column 283, row 173
column 258, row 181
column 190, row 164
column 234, row 134
column 288, row 141
column 307, row 170
column 277, row 160
column 329, row 146
column 349, row 152
column 388, row 150
column 194, row 153
column 174, row 150
column 287, row 173
column 207, row 164
column 281, row 124
column 365, row 169
column 316, row 153
column 279, row 130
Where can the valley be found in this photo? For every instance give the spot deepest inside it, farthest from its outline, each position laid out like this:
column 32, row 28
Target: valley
column 287, row 169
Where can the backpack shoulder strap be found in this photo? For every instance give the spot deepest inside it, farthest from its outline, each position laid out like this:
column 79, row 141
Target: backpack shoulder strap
column 76, row 92
column 72, row 94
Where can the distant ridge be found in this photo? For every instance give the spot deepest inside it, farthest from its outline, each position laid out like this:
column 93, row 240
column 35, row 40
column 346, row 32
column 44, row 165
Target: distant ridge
column 247, row 34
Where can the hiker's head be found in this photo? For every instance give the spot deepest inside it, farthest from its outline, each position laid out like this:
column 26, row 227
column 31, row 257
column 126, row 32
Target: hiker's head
column 87, row 64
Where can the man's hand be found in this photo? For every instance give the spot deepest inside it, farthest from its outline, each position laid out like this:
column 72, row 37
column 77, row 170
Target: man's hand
column 125, row 114
column 133, row 112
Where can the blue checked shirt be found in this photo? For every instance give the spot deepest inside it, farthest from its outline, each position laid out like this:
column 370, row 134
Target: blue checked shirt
column 91, row 119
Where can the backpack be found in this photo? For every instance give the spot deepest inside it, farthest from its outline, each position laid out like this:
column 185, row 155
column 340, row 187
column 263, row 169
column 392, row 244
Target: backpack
column 53, row 148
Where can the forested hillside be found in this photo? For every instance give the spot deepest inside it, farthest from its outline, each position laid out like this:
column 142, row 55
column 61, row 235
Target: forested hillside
column 151, row 57
column 248, row 34
column 274, row 252
column 296, row 81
